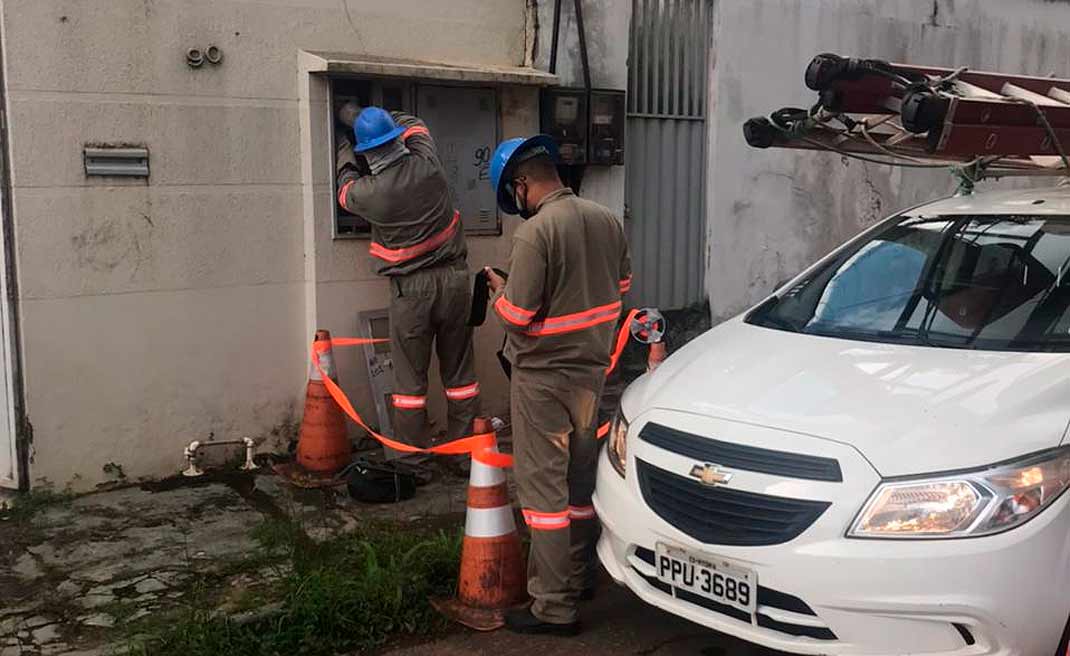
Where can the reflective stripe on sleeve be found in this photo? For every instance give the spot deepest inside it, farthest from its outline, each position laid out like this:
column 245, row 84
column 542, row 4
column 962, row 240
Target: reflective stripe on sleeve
column 626, row 285
column 514, row 314
column 416, row 129
column 343, row 192
column 569, row 323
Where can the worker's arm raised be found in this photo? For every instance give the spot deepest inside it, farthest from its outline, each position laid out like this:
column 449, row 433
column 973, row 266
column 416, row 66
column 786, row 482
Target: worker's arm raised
column 521, row 299
column 416, row 136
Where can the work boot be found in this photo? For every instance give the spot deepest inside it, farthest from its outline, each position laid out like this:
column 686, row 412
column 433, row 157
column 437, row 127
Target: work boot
column 521, row 620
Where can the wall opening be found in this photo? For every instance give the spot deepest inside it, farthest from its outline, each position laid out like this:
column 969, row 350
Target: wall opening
column 464, row 122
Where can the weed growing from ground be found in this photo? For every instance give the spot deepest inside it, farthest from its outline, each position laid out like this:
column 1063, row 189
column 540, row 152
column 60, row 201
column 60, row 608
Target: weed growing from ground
column 351, row 593
column 25, row 505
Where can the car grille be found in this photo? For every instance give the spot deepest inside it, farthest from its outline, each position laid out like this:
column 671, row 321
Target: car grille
column 739, row 456
column 718, row 515
column 767, row 599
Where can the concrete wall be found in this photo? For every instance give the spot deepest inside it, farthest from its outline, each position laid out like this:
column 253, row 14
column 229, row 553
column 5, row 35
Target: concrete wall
column 156, row 313
column 771, row 213
column 606, row 23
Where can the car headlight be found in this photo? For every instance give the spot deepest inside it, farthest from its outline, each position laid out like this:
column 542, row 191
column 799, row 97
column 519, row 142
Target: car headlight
column 618, row 443
column 971, row 504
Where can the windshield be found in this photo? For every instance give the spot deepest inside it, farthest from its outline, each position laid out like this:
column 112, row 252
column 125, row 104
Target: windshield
column 996, row 282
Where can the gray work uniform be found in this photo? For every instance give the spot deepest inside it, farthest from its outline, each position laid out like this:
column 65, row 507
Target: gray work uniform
column 419, row 241
column 568, row 268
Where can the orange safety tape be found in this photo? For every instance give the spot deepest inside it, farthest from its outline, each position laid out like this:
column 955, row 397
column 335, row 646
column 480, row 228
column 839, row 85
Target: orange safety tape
column 622, row 341
column 478, row 445
column 618, row 349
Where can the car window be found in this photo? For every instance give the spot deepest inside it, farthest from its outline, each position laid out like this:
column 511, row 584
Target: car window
column 995, row 282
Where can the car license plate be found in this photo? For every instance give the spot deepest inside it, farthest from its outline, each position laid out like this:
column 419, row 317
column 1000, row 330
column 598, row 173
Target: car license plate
column 708, row 576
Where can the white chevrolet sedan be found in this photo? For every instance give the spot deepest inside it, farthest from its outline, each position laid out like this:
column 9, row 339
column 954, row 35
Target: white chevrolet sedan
column 873, row 460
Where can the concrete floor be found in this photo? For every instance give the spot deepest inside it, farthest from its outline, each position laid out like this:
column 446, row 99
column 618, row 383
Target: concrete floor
column 84, row 567
column 617, row 623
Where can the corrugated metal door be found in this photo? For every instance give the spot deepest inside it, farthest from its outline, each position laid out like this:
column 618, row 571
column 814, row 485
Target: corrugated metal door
column 666, row 160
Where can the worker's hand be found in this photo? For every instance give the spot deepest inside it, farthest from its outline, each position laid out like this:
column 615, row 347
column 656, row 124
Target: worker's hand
column 348, row 113
column 494, row 281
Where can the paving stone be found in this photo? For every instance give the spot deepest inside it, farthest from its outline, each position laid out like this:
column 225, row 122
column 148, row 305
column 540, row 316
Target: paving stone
column 26, row 568
column 89, row 602
column 46, row 633
column 24, row 609
column 171, row 578
column 36, row 621
column 150, row 585
column 100, row 619
column 55, row 649
column 69, row 589
column 45, row 552
column 144, row 612
column 10, row 624
column 145, row 598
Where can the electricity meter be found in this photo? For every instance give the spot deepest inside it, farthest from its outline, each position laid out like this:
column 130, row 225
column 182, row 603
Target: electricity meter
column 564, row 117
column 606, row 132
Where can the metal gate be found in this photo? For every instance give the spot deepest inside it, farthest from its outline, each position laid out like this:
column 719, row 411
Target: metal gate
column 666, row 161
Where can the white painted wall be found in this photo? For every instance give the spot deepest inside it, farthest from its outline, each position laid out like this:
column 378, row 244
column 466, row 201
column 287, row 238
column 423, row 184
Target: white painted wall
column 606, row 23
column 157, row 313
column 771, row 213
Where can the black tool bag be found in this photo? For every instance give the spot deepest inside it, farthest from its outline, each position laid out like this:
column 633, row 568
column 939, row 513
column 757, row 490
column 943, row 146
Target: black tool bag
column 373, row 482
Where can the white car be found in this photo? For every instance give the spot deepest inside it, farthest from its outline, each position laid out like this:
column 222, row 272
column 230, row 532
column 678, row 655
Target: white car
column 873, row 460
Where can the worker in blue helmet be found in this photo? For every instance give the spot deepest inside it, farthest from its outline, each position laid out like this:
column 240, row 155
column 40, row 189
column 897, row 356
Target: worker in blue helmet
column 418, row 241
column 568, row 270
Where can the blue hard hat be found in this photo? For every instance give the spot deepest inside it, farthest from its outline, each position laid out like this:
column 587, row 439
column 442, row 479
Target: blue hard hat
column 508, row 154
column 375, row 127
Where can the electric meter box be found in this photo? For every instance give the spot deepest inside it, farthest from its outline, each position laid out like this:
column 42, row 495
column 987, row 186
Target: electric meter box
column 588, row 125
column 564, row 117
column 605, row 133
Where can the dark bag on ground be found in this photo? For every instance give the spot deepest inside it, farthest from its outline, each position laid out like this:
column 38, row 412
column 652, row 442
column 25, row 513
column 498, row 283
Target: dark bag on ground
column 373, row 482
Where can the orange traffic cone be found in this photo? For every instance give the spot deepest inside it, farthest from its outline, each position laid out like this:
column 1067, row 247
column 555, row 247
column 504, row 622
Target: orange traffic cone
column 492, row 578
column 322, row 446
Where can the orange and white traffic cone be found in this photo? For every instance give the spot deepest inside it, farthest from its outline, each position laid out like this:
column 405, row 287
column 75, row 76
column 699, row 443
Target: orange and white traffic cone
column 323, row 448
column 493, row 577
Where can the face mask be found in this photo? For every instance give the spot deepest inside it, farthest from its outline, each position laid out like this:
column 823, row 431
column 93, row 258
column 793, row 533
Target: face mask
column 524, row 212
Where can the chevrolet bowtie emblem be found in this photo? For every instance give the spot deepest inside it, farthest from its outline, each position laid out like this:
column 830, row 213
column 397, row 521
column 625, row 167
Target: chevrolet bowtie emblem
column 711, row 475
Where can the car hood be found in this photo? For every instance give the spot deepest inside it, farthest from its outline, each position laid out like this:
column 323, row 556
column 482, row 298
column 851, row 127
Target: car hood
column 907, row 409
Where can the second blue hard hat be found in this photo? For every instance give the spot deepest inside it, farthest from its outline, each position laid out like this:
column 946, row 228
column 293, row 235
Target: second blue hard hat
column 375, row 127
column 510, row 153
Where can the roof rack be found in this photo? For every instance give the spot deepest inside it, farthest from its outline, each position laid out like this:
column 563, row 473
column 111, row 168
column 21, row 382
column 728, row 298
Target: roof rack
column 983, row 125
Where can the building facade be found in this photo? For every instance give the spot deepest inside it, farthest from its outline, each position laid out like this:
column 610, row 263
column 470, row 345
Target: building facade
column 145, row 312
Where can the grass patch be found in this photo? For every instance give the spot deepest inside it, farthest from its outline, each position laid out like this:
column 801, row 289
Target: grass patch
column 350, row 593
column 25, row 505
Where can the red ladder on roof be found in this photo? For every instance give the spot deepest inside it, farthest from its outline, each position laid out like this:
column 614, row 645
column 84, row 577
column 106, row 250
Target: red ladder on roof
column 925, row 116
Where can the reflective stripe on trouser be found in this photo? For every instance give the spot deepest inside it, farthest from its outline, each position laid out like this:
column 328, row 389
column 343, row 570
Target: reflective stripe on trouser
column 556, row 454
column 429, row 308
